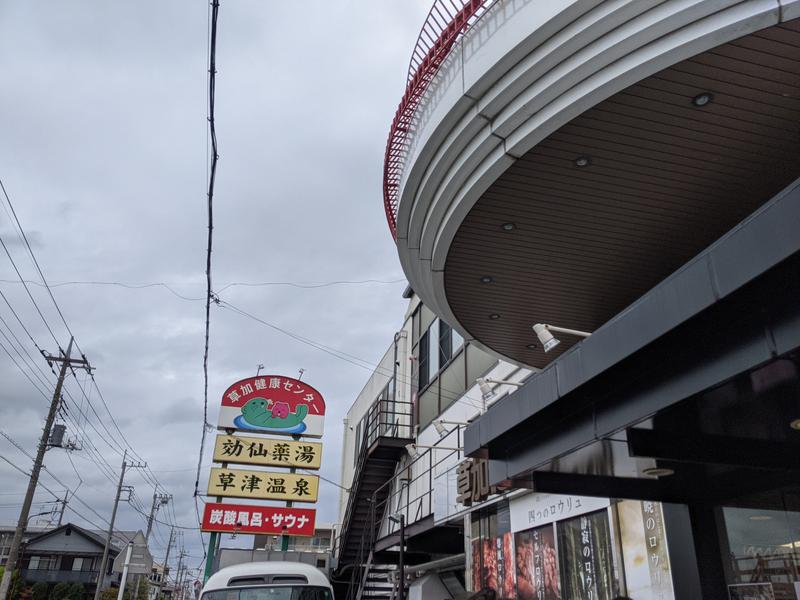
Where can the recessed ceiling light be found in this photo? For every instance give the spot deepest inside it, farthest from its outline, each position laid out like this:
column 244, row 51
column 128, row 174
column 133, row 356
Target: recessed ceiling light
column 658, row 472
column 795, row 424
column 583, row 161
column 760, row 518
column 494, row 316
column 487, row 279
column 508, row 226
column 531, row 346
column 702, row 99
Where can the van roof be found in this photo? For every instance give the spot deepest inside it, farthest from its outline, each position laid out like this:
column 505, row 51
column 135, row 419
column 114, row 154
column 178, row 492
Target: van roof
column 220, row 579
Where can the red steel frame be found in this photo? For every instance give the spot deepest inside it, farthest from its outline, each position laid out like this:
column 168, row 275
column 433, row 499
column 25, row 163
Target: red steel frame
column 446, row 22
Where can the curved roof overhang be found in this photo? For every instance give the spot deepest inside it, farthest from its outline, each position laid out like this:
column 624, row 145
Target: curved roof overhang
column 533, row 86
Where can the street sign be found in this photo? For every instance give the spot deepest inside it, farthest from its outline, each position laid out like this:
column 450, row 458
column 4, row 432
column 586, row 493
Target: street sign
column 141, row 561
column 263, row 485
column 246, row 518
column 273, row 404
column 267, row 452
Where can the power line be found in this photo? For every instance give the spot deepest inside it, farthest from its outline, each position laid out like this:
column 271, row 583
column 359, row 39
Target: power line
column 340, row 354
column 27, row 289
column 212, row 79
column 35, row 262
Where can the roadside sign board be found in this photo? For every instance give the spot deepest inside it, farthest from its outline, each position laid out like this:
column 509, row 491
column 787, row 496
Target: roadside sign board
column 141, row 561
column 273, row 404
column 263, row 485
column 267, row 452
column 272, row 520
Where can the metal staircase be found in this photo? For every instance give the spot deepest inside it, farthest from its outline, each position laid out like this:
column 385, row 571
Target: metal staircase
column 387, row 432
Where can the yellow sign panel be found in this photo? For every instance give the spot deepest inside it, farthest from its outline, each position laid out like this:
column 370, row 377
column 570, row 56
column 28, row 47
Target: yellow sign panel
column 263, row 485
column 267, row 452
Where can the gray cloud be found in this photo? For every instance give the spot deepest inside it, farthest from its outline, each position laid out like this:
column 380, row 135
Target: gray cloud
column 103, row 151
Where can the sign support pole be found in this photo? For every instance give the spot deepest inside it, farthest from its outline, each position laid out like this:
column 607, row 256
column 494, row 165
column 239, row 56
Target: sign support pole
column 285, row 537
column 212, row 545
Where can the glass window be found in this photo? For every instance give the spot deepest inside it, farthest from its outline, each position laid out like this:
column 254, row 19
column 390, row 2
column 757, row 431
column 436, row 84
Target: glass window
column 445, row 343
column 452, row 381
column 77, row 564
column 428, row 405
column 456, row 339
column 422, row 360
column 764, row 551
column 281, row 592
column 478, row 363
column 433, row 350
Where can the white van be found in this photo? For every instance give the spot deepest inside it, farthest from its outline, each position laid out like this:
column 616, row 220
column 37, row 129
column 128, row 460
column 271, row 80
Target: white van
column 273, row 580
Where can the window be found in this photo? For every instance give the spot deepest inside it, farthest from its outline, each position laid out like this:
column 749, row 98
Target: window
column 445, row 343
column 445, row 366
column 77, row 563
column 359, row 433
column 278, row 592
column 42, row 562
column 423, row 351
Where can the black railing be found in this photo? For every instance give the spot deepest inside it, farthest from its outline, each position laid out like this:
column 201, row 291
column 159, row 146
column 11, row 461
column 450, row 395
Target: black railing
column 411, row 491
column 387, row 417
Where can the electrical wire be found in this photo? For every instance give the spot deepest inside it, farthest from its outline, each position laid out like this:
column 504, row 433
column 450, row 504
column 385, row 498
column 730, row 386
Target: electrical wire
column 341, row 355
column 212, row 130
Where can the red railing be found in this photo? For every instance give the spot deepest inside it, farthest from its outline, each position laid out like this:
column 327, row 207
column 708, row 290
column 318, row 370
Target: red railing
column 446, row 22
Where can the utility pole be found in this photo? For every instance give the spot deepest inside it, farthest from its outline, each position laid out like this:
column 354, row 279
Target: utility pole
column 13, row 554
column 104, row 563
column 158, row 501
column 63, row 504
column 179, row 572
column 166, row 562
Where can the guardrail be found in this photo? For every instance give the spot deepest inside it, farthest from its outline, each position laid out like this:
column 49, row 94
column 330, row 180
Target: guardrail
column 446, row 23
column 413, row 496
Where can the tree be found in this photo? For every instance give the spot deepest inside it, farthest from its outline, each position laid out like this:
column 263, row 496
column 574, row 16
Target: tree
column 39, row 591
column 60, row 591
column 111, row 592
column 76, row 591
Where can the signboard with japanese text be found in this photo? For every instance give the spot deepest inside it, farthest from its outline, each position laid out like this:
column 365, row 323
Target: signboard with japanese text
column 585, row 557
column 262, row 520
column 533, row 510
column 267, row 452
column 644, row 549
column 263, row 485
column 273, row 404
column 472, row 481
column 537, row 564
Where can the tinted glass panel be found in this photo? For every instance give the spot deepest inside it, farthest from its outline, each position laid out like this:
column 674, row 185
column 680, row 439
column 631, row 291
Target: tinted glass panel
column 424, row 373
column 282, row 592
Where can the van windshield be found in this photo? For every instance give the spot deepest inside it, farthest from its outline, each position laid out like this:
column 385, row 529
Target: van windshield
column 271, row 592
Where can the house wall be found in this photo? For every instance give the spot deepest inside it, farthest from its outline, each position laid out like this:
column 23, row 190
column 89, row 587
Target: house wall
column 62, row 543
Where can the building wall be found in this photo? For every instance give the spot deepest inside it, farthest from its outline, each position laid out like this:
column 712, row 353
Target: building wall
column 452, row 395
column 371, row 391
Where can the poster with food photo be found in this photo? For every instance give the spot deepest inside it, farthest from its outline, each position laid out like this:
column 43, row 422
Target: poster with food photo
column 537, row 564
column 585, row 557
column 505, row 566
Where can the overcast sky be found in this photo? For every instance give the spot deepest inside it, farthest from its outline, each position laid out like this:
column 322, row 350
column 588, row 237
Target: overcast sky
column 103, row 153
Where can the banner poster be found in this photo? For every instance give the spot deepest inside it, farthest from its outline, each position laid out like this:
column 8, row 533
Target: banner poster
column 477, row 571
column 585, row 557
column 505, row 565
column 644, row 550
column 537, row 564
